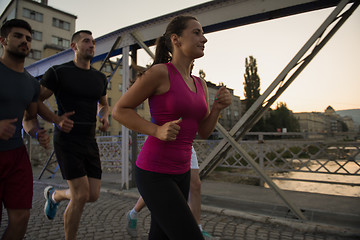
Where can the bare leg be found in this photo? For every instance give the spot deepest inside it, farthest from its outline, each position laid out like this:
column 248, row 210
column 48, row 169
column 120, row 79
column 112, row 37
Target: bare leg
column 94, row 184
column 132, row 217
column 140, row 204
column 61, row 195
column 194, row 200
column 81, row 190
column 18, row 221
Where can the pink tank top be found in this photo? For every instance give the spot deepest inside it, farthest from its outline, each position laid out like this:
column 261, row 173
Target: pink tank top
column 173, row 157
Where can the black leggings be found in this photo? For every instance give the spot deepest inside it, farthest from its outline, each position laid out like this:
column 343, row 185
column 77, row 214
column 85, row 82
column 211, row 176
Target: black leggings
column 166, row 197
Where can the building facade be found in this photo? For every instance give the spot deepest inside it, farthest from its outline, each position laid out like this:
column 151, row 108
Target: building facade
column 52, row 28
column 311, row 122
column 327, row 122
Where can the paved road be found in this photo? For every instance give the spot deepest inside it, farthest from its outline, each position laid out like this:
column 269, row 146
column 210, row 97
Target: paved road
column 105, row 219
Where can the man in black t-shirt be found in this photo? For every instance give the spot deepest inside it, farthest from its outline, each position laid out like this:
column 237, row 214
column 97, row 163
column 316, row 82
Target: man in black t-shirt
column 80, row 93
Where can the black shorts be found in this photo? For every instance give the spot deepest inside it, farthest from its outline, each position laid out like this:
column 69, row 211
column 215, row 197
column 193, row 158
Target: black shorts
column 77, row 156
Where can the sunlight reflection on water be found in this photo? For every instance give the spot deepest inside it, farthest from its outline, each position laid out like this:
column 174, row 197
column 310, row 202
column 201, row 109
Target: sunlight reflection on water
column 324, row 188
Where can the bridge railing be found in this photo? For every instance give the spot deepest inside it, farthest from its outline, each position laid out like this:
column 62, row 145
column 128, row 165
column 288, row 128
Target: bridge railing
column 278, row 158
column 275, row 156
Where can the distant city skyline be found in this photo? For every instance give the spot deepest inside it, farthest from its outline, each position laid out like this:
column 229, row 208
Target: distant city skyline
column 331, row 79
column 353, row 113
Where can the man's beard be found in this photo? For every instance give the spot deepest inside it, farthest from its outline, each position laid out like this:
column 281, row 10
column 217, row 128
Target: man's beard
column 87, row 56
column 18, row 54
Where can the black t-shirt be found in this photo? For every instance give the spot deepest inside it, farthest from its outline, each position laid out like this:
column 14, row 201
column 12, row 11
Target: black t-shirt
column 76, row 90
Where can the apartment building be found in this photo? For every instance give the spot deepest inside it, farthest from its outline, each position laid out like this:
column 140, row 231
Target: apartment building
column 53, row 28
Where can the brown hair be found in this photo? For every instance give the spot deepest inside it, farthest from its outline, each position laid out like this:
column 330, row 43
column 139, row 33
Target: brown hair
column 164, row 49
column 163, row 44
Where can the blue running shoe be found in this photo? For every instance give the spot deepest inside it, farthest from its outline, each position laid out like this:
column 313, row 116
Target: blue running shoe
column 131, row 225
column 50, row 207
column 207, row 236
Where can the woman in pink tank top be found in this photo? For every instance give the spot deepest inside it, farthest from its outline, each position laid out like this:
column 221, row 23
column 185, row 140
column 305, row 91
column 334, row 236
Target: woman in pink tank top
column 179, row 108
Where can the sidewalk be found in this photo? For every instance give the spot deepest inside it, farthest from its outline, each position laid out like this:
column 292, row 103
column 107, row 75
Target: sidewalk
column 329, row 213
column 338, row 215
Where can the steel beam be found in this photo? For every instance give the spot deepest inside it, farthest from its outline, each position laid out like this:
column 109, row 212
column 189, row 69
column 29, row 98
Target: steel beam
column 213, row 15
column 142, row 44
column 109, row 54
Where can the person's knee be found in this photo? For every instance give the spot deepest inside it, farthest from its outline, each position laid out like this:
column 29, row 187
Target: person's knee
column 24, row 218
column 93, row 197
column 19, row 218
column 81, row 197
column 94, row 189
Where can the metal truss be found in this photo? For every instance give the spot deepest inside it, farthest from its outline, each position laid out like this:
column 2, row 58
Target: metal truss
column 263, row 103
column 216, row 16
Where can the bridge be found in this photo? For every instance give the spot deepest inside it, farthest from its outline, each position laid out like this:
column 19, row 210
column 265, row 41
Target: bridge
column 217, row 16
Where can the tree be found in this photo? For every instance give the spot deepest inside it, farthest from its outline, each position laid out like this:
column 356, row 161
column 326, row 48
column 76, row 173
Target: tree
column 281, row 118
column 252, row 81
column 252, row 88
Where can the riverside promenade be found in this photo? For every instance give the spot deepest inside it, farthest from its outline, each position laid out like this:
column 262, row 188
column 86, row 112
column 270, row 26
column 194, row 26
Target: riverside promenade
column 229, row 212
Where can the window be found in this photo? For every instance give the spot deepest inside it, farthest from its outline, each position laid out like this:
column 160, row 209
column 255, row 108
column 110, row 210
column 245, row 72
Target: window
column 32, row 15
column 60, row 42
column 37, row 35
column 109, row 101
column 35, row 54
column 109, row 85
column 61, row 24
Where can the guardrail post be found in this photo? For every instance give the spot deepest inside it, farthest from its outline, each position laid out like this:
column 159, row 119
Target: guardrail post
column 124, row 130
column 261, row 156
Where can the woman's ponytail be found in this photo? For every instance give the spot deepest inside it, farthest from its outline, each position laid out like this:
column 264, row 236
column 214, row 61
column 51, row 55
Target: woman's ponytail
column 162, row 52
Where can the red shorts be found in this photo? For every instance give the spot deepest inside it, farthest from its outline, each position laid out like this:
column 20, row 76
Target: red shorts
column 16, row 179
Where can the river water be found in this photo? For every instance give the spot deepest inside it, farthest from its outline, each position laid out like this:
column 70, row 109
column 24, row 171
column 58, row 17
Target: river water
column 324, row 188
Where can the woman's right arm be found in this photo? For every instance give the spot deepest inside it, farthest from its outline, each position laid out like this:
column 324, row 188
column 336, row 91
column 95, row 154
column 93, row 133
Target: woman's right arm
column 154, row 81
